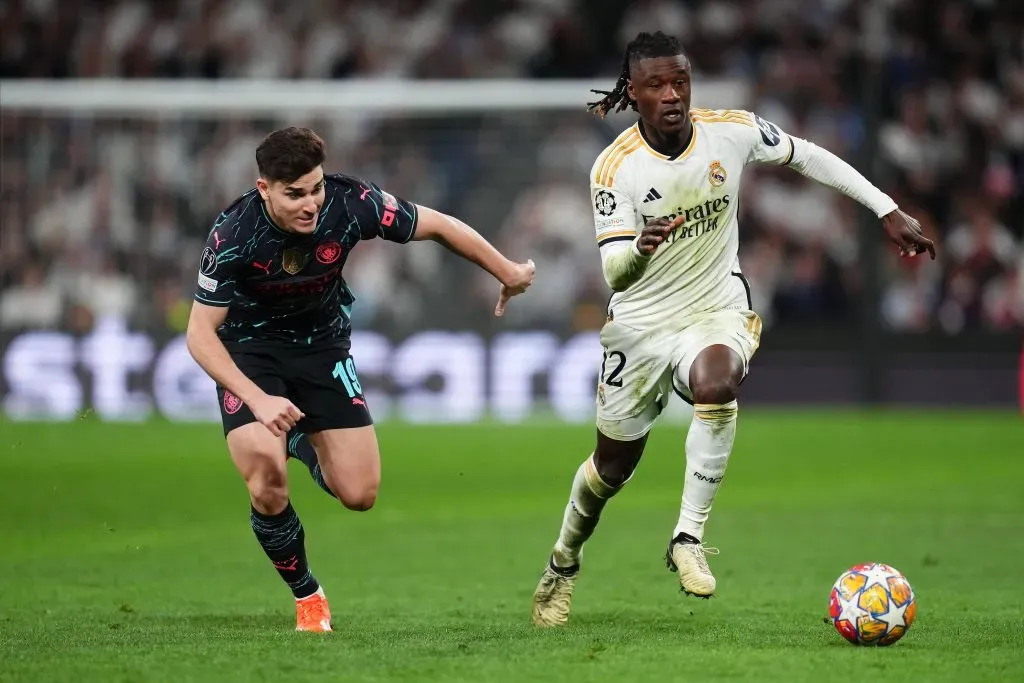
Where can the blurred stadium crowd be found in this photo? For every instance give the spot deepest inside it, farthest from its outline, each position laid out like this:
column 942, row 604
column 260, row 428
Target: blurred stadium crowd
column 108, row 216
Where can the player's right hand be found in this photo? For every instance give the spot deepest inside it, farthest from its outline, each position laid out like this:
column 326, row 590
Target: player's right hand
column 655, row 232
column 519, row 280
column 276, row 413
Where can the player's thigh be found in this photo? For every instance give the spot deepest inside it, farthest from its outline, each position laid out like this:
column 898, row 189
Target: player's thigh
column 263, row 371
column 324, row 384
column 350, row 461
column 635, row 372
column 260, row 458
column 739, row 331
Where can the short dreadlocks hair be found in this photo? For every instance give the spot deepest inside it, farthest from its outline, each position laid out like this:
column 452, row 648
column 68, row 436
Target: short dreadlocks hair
column 644, row 46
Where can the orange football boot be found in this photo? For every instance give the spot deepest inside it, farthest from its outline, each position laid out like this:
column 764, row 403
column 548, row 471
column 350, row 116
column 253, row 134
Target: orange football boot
column 313, row 613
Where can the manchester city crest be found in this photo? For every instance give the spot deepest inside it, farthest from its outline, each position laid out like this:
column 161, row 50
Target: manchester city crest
column 294, row 259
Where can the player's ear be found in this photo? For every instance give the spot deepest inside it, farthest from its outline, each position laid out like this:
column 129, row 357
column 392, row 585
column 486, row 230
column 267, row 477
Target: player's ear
column 630, row 92
column 263, row 187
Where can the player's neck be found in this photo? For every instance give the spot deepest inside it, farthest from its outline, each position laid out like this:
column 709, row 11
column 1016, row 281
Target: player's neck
column 670, row 145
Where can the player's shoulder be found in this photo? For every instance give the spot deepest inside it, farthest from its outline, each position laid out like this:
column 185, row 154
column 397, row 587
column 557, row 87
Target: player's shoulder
column 243, row 203
column 242, row 213
column 344, row 181
column 611, row 160
column 360, row 188
column 724, row 121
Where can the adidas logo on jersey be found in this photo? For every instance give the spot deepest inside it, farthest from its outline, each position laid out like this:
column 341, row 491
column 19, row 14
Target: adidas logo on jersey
column 652, row 195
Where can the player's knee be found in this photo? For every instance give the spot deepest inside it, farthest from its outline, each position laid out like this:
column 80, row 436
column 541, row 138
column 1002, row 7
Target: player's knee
column 356, row 491
column 265, row 476
column 268, row 491
column 716, row 391
column 616, row 473
column 359, row 498
column 616, row 461
column 360, row 502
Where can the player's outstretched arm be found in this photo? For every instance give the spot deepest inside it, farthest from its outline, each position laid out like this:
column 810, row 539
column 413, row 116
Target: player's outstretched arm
column 463, row 240
column 276, row 413
column 828, row 169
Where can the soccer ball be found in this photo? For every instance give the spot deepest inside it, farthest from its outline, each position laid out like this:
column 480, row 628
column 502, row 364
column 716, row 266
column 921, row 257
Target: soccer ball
column 872, row 604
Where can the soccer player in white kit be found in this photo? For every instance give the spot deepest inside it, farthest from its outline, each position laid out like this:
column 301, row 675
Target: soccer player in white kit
column 665, row 196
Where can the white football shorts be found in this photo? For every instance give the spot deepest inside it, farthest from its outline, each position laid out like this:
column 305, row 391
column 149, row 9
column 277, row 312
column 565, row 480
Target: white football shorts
column 641, row 368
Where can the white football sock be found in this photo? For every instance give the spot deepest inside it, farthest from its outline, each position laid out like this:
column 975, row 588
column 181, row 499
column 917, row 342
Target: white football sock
column 587, row 499
column 708, row 445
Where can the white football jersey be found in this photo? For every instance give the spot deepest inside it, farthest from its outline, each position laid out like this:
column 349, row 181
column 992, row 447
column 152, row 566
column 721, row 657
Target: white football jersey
column 696, row 270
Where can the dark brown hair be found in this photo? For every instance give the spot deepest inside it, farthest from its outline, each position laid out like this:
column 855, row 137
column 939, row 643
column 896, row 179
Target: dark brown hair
column 288, row 154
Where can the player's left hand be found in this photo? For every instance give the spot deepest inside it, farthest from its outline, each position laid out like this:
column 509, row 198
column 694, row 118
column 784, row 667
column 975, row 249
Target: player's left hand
column 516, row 283
column 906, row 232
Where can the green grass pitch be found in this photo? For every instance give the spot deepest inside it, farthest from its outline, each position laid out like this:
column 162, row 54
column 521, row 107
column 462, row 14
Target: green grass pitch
column 126, row 555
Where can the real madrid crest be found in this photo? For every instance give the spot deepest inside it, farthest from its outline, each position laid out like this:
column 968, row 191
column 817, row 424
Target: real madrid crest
column 716, row 174
column 294, row 259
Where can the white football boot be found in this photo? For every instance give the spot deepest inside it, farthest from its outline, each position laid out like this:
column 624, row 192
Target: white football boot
column 553, row 598
column 690, row 561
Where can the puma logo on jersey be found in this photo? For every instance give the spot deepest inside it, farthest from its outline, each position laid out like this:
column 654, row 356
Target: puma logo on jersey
column 265, row 267
column 652, row 195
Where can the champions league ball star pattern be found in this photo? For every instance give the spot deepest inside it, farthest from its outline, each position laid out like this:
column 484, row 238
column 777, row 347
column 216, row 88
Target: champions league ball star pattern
column 872, row 604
